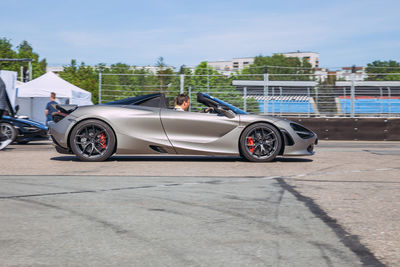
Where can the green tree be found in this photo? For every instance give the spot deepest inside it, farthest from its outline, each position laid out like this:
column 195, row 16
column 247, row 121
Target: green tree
column 24, row 50
column 121, row 80
column 160, row 62
column 175, row 85
column 381, row 71
column 165, row 75
column 85, row 77
column 284, row 68
column 208, row 80
column 6, row 51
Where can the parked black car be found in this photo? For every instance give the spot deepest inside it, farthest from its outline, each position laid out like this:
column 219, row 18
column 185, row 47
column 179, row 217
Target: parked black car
column 22, row 130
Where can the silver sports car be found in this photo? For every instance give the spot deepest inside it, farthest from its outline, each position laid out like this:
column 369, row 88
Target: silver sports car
column 146, row 125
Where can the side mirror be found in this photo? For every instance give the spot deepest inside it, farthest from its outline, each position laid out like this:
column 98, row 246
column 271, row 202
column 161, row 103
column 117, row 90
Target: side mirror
column 16, row 109
column 227, row 112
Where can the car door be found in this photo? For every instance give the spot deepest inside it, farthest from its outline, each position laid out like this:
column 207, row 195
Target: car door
column 201, row 133
column 139, row 130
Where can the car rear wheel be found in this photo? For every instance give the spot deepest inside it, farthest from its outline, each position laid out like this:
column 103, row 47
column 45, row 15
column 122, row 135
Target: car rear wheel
column 8, row 131
column 92, row 140
column 260, row 142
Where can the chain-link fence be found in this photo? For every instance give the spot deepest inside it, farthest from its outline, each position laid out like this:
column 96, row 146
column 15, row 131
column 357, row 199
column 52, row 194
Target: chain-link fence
column 306, row 95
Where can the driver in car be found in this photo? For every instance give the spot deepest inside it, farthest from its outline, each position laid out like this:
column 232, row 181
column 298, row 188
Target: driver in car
column 182, row 102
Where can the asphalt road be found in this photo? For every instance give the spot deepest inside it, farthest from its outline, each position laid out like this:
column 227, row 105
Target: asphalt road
column 200, row 211
column 153, row 221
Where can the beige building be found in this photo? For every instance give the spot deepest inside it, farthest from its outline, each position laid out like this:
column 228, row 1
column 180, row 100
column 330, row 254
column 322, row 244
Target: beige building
column 227, row 67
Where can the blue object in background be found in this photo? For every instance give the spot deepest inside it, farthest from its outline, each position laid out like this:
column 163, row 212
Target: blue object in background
column 369, row 106
column 286, row 106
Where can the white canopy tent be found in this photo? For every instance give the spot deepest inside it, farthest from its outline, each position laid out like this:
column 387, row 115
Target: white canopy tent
column 33, row 96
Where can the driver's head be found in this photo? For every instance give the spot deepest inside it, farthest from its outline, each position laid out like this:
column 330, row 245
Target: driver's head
column 183, row 101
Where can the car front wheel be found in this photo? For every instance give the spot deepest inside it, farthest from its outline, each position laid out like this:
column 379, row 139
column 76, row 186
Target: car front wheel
column 260, row 142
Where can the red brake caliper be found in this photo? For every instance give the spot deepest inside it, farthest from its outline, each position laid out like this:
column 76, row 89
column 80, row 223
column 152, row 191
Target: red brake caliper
column 250, row 143
column 103, row 141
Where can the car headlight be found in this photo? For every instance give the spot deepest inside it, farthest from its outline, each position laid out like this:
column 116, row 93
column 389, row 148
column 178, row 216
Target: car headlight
column 301, row 131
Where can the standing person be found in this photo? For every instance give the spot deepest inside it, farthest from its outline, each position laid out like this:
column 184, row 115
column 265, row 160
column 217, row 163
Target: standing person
column 4, row 141
column 50, row 107
column 182, row 102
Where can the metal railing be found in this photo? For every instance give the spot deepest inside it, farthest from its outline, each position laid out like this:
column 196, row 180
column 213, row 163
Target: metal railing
column 306, row 95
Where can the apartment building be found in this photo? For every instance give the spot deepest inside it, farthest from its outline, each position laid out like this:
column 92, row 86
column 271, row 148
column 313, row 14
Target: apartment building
column 227, row 67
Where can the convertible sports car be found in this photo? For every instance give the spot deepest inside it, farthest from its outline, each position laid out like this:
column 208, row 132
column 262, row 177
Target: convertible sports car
column 146, row 125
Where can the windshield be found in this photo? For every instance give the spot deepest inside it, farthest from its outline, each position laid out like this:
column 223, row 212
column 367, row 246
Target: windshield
column 223, row 103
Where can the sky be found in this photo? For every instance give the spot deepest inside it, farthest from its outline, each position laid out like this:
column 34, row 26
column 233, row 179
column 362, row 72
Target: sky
column 344, row 33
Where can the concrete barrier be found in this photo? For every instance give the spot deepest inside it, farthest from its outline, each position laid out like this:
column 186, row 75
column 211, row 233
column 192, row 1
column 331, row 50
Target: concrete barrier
column 368, row 129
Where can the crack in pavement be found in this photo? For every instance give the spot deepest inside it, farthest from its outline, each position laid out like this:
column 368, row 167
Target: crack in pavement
column 119, row 230
column 216, row 181
column 350, row 241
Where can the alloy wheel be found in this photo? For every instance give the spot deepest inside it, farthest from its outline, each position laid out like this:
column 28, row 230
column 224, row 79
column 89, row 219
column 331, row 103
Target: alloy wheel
column 92, row 141
column 260, row 142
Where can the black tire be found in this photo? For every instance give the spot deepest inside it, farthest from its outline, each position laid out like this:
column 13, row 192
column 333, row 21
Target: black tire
column 8, row 130
column 92, row 140
column 260, row 142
